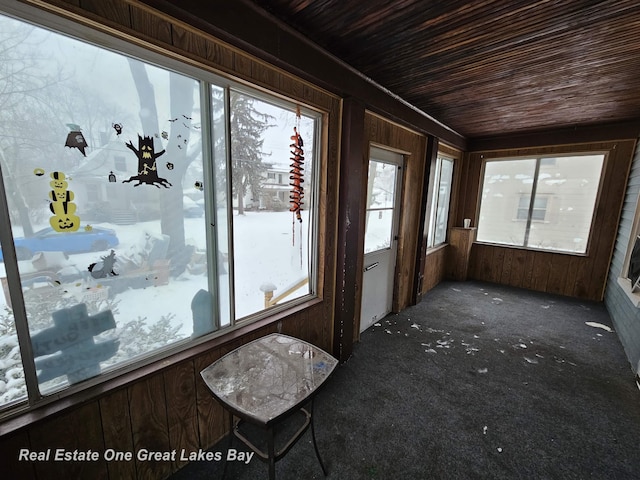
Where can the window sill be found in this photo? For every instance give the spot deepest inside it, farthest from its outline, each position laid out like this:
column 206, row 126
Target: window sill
column 530, row 249
column 634, row 297
column 438, row 247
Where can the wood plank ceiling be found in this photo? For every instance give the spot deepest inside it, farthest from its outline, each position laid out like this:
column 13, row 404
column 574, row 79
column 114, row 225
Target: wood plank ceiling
column 487, row 67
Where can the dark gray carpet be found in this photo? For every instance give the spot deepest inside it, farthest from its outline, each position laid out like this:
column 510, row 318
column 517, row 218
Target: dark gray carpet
column 478, row 381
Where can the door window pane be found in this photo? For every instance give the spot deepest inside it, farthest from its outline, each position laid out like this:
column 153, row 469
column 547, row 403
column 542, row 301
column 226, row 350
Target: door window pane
column 380, row 203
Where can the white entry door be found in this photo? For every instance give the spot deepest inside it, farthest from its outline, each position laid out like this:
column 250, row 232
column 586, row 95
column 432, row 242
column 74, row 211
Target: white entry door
column 380, row 238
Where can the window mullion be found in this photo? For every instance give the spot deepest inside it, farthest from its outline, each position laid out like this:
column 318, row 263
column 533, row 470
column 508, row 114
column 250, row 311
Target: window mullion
column 229, row 184
column 433, row 211
column 534, row 188
column 210, row 198
column 17, row 300
column 437, row 193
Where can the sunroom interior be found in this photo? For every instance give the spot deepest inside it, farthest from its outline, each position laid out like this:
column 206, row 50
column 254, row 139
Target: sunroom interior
column 207, row 173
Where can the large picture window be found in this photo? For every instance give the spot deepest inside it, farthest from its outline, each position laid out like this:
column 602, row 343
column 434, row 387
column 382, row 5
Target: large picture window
column 543, row 203
column 139, row 209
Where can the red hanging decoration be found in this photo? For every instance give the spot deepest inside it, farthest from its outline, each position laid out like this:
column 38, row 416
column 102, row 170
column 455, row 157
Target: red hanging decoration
column 296, row 177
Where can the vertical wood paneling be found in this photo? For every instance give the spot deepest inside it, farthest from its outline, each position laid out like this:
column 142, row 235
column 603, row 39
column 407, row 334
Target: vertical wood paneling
column 267, row 76
column 558, row 274
column 505, row 275
column 10, row 447
column 147, row 24
column 350, row 236
column 189, row 42
column 517, row 270
column 116, row 427
column 435, row 268
column 424, row 220
column 541, row 271
column 296, row 326
column 116, row 11
column 148, row 409
column 182, row 411
column 497, row 264
column 529, row 261
column 212, row 421
column 78, row 429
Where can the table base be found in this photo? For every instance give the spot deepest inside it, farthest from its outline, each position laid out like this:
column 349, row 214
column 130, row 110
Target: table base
column 271, row 456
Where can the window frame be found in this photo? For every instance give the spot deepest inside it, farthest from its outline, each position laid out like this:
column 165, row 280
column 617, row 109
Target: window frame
column 311, row 200
column 623, row 280
column 207, row 76
column 432, row 206
column 540, row 161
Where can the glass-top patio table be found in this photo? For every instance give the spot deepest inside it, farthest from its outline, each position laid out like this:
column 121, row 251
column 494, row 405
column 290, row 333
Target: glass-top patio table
column 265, row 382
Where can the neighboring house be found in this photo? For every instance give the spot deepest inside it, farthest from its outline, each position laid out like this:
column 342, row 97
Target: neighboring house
column 274, row 191
column 562, row 211
column 101, row 195
column 274, row 194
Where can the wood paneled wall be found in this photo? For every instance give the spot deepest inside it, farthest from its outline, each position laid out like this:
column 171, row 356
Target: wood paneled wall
column 572, row 275
column 166, row 406
column 435, row 267
column 169, row 410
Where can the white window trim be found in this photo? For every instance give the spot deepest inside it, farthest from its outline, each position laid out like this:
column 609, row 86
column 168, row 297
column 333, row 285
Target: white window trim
column 433, row 198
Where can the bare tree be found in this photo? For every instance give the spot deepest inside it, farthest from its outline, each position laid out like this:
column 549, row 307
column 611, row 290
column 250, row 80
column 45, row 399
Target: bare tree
column 27, row 120
column 181, row 91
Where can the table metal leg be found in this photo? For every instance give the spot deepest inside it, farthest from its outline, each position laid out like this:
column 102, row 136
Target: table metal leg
column 271, row 452
column 315, row 445
column 224, row 469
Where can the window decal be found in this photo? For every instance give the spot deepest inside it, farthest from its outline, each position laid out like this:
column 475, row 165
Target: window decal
column 68, row 347
column 147, row 168
column 104, row 268
column 64, row 218
column 75, row 139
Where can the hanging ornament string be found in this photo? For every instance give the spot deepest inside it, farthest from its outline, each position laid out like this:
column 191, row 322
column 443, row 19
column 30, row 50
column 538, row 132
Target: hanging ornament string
column 296, row 180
